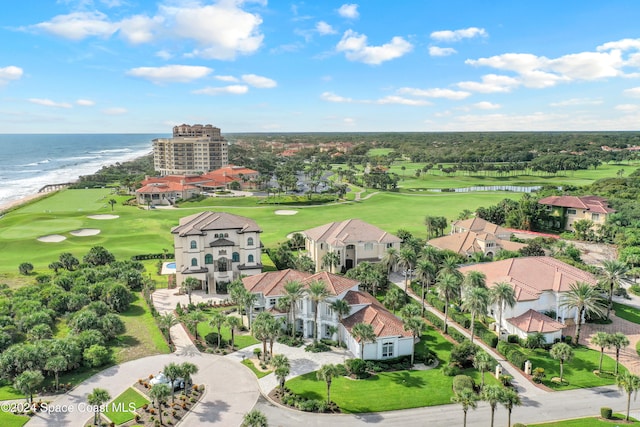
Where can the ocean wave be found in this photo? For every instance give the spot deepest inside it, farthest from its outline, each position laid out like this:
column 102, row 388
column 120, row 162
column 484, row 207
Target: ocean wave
column 114, row 150
column 41, row 162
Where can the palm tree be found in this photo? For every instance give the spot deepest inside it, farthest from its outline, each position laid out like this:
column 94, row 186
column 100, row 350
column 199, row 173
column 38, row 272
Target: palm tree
column 189, row 284
column 166, row 322
column 629, row 383
column 562, row 352
column 318, row 292
column 159, row 394
column 482, row 362
column 503, row 295
column 172, row 371
column 509, row 399
column 394, row 298
column 96, row 399
column 216, row 321
column 425, row 273
column 618, row 340
column 586, row 300
column 27, row 382
column 273, row 330
column 431, row 254
column 248, row 300
column 602, row 340
column 326, row 373
column 294, row 292
column 187, row 370
column 468, row 399
column 492, row 395
column 56, row 364
column 448, row 288
column 233, row 323
column 364, row 333
column 414, row 324
column 476, row 301
column 193, row 319
column 342, row 309
column 260, row 327
column 390, row 260
column 474, row 279
column 429, row 221
column 254, row 418
column 112, row 202
column 613, row 272
column 330, row 260
column 406, row 261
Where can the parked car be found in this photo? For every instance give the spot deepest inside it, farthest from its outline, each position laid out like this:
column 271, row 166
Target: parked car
column 161, row 378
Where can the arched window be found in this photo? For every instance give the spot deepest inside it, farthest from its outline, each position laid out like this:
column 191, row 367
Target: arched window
column 194, row 262
column 235, row 257
column 208, row 259
column 250, row 241
column 215, row 235
column 250, row 258
column 222, row 264
column 226, row 234
column 194, row 244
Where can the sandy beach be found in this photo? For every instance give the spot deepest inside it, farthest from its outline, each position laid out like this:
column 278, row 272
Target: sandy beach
column 15, row 203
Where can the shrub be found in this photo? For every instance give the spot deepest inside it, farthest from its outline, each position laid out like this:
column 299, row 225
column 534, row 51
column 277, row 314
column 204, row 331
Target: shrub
column 506, row 380
column 257, row 352
column 513, row 339
column 537, row 375
column 461, row 319
column 460, row 382
column 635, row 289
column 462, row 354
column 457, row 336
column 519, row 425
column 356, row 367
column 450, row 371
column 606, row 413
column 489, row 338
column 317, row 347
column 568, row 339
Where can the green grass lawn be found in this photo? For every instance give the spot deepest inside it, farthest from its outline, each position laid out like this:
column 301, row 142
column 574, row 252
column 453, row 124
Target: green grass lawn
column 120, row 409
column 578, row 373
column 7, row 419
column 627, row 312
column 589, row 422
column 249, row 364
column 241, row 340
column 7, row 392
column 138, row 231
column 142, row 336
column 401, row 389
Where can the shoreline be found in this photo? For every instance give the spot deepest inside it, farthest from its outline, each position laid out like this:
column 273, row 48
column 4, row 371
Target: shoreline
column 15, row 204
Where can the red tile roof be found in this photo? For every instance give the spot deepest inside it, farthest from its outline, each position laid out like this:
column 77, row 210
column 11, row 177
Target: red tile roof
column 594, row 204
column 385, row 324
column 272, row 283
column 466, row 242
column 349, row 231
column 533, row 321
column 335, row 284
column 531, row 276
column 166, row 187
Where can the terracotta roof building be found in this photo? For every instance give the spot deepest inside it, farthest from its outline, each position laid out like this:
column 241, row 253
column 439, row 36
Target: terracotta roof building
column 353, row 240
column 564, row 211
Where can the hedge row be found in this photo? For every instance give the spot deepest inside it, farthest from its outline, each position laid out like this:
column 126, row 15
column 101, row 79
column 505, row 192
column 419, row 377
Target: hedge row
column 143, row 257
column 512, row 353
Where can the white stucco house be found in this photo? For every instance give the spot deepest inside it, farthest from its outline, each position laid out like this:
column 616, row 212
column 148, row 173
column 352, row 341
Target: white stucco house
column 353, row 240
column 216, row 247
column 392, row 340
column 539, row 284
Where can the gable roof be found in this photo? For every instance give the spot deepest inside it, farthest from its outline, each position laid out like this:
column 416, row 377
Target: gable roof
column 164, row 187
column 594, row 204
column 385, row 324
column 533, row 321
column 272, row 283
column 200, row 223
column 531, row 276
column 479, row 225
column 466, row 243
column 349, row 232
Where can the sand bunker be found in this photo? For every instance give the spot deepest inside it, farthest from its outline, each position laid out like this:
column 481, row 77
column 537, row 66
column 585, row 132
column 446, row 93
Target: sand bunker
column 85, row 232
column 103, row 216
column 285, row 212
column 52, row 238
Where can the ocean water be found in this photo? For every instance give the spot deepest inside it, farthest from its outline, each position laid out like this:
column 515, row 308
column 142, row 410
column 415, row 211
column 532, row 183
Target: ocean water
column 28, row 162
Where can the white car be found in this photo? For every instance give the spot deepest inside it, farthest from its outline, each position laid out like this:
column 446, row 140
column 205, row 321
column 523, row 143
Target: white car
column 161, row 378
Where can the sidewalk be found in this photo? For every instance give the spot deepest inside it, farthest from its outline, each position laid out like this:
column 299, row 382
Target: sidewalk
column 520, row 382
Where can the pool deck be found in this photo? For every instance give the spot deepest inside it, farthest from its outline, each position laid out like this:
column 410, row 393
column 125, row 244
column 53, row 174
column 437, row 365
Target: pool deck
column 166, row 269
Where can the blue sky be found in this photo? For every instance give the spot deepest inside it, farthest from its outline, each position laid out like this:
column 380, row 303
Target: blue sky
column 76, row 66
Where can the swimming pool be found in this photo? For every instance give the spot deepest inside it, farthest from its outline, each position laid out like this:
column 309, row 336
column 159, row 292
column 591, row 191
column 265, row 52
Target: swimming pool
column 171, row 265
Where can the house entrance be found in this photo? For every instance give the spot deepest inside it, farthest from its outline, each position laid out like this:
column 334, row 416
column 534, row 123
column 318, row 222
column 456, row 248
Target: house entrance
column 348, row 263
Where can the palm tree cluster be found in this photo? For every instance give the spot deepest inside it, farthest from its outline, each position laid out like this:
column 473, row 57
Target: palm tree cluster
column 605, row 340
column 493, row 395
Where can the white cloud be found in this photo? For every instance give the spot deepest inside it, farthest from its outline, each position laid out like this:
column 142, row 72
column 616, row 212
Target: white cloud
column 79, row 25
column 10, row 73
column 441, row 51
column 170, row 73
column 115, row 111
column 332, row 97
column 259, row 81
column 457, row 35
column 627, row 107
column 229, row 79
column 624, row 44
column 222, row 30
column 139, row 28
column 435, row 93
column 356, row 49
column 486, row 105
column 491, row 83
column 349, row 11
column 634, row 92
column 325, row 29
column 85, row 102
column 231, row 89
column 349, row 121
column 576, row 102
column 394, row 99
column 49, row 103
column 166, row 55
